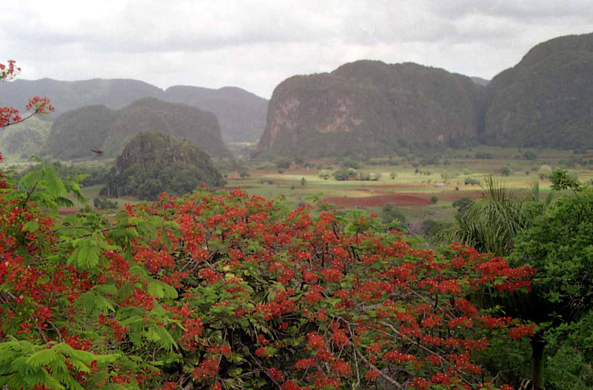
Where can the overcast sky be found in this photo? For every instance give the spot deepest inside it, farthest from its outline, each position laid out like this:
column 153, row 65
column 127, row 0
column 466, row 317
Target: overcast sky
column 255, row 44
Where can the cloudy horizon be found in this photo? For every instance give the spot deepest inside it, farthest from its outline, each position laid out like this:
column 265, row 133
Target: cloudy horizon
column 256, row 45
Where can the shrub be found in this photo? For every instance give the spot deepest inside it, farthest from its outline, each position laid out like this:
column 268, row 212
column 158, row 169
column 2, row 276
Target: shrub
column 434, row 199
column 345, row 174
column 529, row 155
column 390, row 213
column 544, row 172
column 104, row 204
column 303, row 181
column 325, row 175
column 392, row 175
column 506, row 171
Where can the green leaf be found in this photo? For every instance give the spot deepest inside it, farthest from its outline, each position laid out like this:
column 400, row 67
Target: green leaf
column 42, row 358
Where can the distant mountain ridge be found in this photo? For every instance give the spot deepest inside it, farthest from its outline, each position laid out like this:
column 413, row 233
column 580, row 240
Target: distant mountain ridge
column 75, row 133
column 241, row 114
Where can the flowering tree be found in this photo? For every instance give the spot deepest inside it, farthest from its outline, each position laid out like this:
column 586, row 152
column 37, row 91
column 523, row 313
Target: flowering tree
column 9, row 115
column 226, row 291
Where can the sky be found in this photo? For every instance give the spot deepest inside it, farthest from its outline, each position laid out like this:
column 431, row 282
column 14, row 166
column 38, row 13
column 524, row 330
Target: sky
column 256, row 44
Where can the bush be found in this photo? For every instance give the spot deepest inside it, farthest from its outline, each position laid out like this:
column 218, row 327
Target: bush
column 544, row 172
column 434, row 199
column 390, row 213
column 345, row 174
column 104, row 204
column 506, row 171
column 392, row 175
column 325, row 175
column 471, row 181
column 463, row 204
column 430, row 227
column 303, row 181
column 529, row 155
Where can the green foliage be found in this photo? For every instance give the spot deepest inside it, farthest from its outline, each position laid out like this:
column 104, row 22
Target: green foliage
column 45, row 188
column 390, row 214
column 53, row 367
column 104, row 204
column 345, row 174
column 434, row 199
column 325, row 175
column 463, row 204
column 545, row 99
column 506, row 171
column 24, row 139
column 153, row 163
column 351, row 111
column 75, row 133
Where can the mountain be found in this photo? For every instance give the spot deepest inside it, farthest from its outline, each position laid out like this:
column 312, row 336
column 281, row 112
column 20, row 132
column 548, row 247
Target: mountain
column 480, row 81
column 152, row 163
column 70, row 95
column 371, row 106
column 24, row 139
column 76, row 132
column 241, row 114
column 546, row 99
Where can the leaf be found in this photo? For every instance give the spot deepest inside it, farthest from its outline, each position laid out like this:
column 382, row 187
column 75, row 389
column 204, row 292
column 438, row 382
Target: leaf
column 42, row 358
column 155, row 289
column 30, row 179
column 55, row 186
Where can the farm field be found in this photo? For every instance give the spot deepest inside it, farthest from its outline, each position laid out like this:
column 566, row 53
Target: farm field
column 413, row 185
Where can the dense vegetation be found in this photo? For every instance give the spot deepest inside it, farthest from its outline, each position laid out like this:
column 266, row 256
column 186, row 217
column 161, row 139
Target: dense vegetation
column 153, row 163
column 545, row 100
column 25, row 139
column 223, row 290
column 370, row 105
column 76, row 133
column 241, row 114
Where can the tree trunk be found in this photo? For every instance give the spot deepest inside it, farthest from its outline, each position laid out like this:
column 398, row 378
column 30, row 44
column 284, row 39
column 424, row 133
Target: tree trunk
column 537, row 374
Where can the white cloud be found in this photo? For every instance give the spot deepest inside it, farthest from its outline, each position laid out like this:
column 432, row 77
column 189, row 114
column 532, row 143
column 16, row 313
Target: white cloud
column 255, row 44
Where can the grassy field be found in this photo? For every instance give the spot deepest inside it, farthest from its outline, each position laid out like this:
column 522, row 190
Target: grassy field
column 416, row 181
column 414, row 184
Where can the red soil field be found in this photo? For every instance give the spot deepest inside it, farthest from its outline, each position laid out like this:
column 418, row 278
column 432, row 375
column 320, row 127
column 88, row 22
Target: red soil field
column 377, row 201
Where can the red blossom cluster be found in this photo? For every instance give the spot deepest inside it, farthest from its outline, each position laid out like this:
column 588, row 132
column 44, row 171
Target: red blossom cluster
column 234, row 290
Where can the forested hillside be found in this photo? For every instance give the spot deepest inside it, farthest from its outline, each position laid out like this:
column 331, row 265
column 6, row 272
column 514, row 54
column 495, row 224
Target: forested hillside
column 371, row 106
column 546, row 99
column 75, row 133
column 241, row 114
column 152, row 163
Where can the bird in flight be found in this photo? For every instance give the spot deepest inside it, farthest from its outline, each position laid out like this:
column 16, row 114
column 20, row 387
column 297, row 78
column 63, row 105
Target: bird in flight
column 97, row 151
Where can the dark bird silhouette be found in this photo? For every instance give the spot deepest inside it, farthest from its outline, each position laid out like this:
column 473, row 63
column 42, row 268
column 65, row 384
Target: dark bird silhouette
column 97, row 151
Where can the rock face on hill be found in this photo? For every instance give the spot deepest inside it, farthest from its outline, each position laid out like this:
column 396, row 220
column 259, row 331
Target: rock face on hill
column 75, row 133
column 241, row 114
column 370, row 105
column 546, row 99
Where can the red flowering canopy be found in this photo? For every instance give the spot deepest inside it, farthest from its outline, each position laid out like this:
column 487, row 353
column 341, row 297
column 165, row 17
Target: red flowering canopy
column 230, row 291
